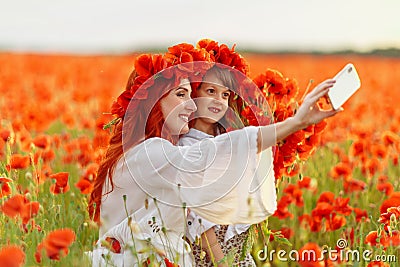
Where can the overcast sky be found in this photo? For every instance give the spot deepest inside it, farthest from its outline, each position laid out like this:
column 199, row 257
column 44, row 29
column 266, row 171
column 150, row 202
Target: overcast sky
column 93, row 26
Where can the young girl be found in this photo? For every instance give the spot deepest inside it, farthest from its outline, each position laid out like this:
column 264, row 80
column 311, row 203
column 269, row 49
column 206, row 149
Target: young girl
column 212, row 99
column 146, row 183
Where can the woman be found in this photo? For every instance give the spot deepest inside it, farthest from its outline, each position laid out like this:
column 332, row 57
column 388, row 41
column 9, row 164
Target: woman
column 146, row 183
column 213, row 98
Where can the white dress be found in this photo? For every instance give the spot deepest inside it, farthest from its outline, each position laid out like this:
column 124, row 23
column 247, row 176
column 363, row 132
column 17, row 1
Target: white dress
column 223, row 179
column 195, row 229
column 197, row 225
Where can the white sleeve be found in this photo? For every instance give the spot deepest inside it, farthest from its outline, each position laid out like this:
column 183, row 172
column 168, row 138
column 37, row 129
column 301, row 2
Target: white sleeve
column 222, row 179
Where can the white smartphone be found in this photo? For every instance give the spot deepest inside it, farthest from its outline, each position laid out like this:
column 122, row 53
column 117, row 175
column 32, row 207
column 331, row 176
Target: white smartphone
column 347, row 83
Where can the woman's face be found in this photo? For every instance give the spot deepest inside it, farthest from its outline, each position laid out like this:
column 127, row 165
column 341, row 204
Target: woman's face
column 176, row 107
column 212, row 99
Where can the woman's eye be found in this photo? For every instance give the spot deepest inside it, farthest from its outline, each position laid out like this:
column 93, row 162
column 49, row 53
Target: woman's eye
column 210, row 90
column 227, row 94
column 181, row 94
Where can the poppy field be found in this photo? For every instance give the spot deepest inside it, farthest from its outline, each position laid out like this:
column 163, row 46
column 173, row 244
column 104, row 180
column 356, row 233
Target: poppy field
column 340, row 184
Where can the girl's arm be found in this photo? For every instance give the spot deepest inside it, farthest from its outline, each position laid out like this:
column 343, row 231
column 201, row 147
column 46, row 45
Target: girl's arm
column 212, row 247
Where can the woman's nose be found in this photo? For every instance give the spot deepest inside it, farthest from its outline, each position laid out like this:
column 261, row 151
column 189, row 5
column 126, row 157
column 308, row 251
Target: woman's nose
column 190, row 105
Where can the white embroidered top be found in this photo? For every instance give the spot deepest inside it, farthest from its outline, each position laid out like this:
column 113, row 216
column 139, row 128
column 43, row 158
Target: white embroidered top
column 223, row 179
column 196, row 224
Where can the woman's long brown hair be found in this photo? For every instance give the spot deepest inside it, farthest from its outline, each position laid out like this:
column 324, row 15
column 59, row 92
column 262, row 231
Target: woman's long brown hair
column 132, row 123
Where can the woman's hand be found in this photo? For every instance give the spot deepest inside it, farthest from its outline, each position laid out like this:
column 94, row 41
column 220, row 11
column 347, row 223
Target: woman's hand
column 309, row 112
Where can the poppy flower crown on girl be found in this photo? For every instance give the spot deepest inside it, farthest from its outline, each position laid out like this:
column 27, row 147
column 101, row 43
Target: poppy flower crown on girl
column 149, row 67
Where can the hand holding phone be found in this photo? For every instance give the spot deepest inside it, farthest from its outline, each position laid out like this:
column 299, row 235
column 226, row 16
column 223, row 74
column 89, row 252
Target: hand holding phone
column 347, row 83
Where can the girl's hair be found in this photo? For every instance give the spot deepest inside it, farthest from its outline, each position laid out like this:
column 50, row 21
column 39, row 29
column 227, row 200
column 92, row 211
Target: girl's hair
column 135, row 120
column 229, row 81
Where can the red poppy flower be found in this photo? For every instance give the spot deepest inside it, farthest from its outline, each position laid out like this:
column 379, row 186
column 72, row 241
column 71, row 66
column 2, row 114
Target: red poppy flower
column 19, row 161
column 20, row 206
column 357, row 148
column 379, row 150
column 61, row 185
column 61, row 179
column 253, row 114
column 386, row 188
column 282, row 207
column 390, row 138
column 159, row 63
column 14, row 206
column 283, row 213
column 292, row 88
column 295, row 193
column 392, row 240
column 143, row 65
column 58, row 190
column 378, row 264
column 55, row 244
column 12, row 256
column 287, row 232
column 360, row 214
column 310, row 256
column 292, row 170
column 121, row 105
column 91, row 172
column 305, row 182
column 326, row 196
column 373, row 239
column 296, row 137
column 319, row 127
column 114, row 244
column 392, row 201
column 386, row 217
column 179, row 48
column 186, row 57
column 275, row 82
column 335, row 222
column 342, row 206
column 323, row 209
column 314, row 223
column 46, row 155
column 313, row 140
column 207, row 44
column 224, row 55
column 5, row 188
column 170, row 264
column 42, row 141
column 304, row 150
column 283, row 112
column 383, row 179
column 341, row 170
column 5, row 134
column 84, row 186
column 353, row 185
column 371, row 166
column 385, row 240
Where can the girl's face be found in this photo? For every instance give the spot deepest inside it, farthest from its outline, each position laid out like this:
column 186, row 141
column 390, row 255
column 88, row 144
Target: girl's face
column 212, row 99
column 176, row 107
